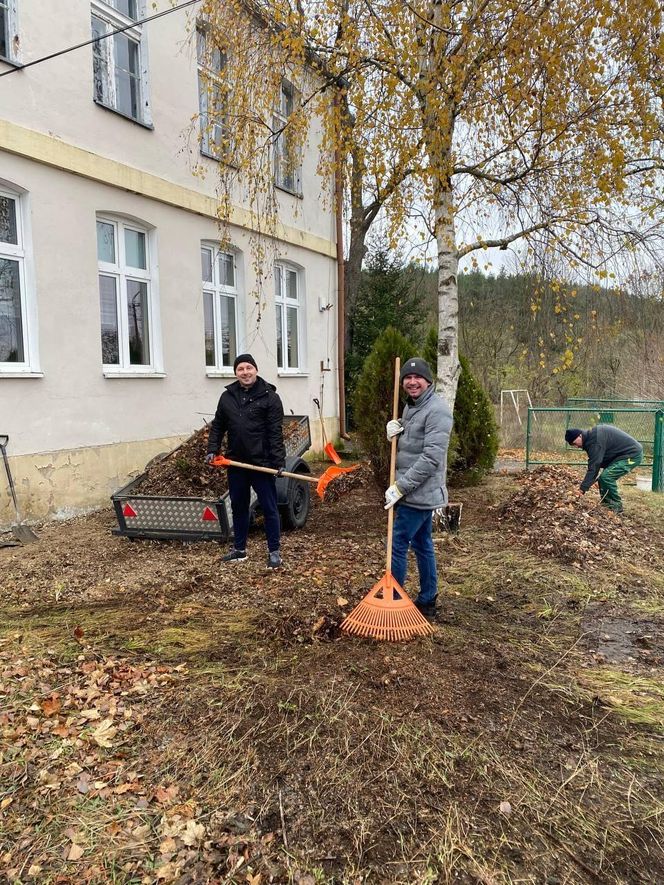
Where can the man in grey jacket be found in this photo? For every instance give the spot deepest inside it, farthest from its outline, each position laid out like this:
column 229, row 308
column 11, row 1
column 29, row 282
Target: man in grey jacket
column 610, row 450
column 424, row 435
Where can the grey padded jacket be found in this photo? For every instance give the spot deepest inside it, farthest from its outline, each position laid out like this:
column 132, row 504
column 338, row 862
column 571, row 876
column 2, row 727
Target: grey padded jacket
column 422, row 451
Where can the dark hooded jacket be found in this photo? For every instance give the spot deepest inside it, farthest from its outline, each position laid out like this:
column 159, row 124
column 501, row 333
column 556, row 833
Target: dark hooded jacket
column 605, row 444
column 253, row 419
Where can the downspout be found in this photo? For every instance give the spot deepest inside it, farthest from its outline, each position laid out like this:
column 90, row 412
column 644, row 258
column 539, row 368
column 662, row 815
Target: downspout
column 341, row 288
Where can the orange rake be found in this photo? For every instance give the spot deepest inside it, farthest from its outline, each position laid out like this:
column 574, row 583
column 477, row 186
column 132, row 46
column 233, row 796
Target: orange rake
column 387, row 612
column 322, row 482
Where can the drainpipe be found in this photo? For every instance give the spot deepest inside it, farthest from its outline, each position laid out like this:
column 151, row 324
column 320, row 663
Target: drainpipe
column 341, row 289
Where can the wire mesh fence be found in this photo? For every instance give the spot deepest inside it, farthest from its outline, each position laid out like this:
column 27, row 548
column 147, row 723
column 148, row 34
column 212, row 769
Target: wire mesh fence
column 589, row 402
column 545, row 435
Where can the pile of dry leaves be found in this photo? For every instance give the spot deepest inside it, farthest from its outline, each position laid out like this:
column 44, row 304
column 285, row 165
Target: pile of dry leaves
column 553, row 520
column 183, row 472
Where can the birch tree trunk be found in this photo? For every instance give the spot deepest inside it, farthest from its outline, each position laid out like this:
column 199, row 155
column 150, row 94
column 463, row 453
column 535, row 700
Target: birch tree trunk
column 448, row 368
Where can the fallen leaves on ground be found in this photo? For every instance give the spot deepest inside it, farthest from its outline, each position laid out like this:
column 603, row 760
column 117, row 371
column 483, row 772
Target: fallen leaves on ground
column 552, row 519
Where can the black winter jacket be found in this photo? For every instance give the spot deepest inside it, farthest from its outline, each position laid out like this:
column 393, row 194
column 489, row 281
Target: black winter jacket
column 254, row 422
column 605, row 444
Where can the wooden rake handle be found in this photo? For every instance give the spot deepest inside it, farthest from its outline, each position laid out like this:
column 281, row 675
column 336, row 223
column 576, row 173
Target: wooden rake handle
column 393, row 464
column 220, row 461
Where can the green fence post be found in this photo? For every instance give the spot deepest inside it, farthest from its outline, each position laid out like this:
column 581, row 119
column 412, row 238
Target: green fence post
column 528, row 439
column 658, row 454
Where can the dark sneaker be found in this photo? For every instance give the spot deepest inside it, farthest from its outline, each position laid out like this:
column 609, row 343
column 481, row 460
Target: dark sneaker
column 235, row 556
column 274, row 559
column 427, row 611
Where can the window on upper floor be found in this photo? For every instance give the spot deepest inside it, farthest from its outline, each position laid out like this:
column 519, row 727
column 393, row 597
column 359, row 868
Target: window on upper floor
column 119, row 62
column 289, row 303
column 18, row 307
column 211, row 97
column 221, row 290
column 287, row 168
column 127, row 297
column 8, row 30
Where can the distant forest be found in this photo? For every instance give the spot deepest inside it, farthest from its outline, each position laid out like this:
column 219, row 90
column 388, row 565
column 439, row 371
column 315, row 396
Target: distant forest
column 520, row 331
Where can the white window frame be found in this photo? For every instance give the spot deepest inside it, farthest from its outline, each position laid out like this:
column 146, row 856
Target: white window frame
column 283, row 300
column 122, row 272
column 21, row 252
column 217, row 289
column 213, row 129
column 280, row 152
column 11, row 32
column 112, row 19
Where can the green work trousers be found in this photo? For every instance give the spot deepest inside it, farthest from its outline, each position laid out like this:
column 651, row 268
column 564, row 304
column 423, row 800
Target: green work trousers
column 607, row 482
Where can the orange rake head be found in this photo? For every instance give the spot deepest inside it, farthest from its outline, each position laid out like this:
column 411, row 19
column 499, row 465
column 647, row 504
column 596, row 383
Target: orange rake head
column 331, row 474
column 386, row 613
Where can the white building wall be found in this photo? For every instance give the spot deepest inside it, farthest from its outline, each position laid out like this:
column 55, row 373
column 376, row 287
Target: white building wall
column 76, row 435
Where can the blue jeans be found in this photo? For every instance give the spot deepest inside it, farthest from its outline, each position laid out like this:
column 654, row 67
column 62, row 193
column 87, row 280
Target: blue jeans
column 412, row 528
column 240, row 483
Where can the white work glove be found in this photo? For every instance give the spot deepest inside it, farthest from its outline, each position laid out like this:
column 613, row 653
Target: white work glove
column 392, row 495
column 393, row 428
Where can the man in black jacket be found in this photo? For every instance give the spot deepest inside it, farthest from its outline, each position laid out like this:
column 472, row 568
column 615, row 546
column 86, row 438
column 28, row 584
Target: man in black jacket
column 610, row 450
column 251, row 414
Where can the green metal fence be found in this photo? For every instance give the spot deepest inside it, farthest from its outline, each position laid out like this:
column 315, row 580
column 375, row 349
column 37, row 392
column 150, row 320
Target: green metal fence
column 590, row 402
column 545, row 435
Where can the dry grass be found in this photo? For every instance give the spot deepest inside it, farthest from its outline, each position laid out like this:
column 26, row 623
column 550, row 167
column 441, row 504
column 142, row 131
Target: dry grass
column 500, row 751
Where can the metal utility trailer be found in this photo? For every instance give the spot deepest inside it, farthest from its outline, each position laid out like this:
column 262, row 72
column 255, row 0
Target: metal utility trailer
column 159, row 517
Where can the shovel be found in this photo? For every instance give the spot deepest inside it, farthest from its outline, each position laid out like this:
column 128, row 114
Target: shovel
column 24, row 534
column 322, row 482
column 328, row 447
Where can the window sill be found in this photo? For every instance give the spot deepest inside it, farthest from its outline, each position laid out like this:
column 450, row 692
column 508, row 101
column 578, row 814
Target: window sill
column 219, row 373
column 292, row 373
column 128, row 373
column 14, row 374
column 286, row 190
column 107, row 107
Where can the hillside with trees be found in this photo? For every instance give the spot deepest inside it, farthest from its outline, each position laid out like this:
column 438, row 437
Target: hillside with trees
column 524, row 331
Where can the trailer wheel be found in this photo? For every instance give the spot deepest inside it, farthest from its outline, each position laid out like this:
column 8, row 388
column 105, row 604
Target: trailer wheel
column 296, row 509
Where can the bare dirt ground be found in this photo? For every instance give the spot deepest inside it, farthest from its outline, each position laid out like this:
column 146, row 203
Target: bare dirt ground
column 167, row 719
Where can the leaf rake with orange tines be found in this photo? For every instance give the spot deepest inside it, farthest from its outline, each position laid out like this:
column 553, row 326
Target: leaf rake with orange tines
column 387, row 612
column 322, row 482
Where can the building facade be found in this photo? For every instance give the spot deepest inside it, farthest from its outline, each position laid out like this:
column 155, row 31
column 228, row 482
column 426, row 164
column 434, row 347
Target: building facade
column 120, row 315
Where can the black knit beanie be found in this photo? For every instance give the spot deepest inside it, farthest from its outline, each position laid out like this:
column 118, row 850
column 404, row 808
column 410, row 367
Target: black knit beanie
column 416, row 366
column 244, row 358
column 571, row 434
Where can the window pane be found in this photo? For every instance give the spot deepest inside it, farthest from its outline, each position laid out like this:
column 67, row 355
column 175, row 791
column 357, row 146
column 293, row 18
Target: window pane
column 4, row 40
column 291, row 284
column 106, row 242
column 135, row 248
column 8, row 232
column 127, row 75
column 110, row 347
column 99, row 60
column 206, row 265
column 291, row 332
column 226, row 270
column 228, row 335
column 208, row 314
column 280, row 345
column 137, row 317
column 126, row 7
column 286, row 105
column 11, row 322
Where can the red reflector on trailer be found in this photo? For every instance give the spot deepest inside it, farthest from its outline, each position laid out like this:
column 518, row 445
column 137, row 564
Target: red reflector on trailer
column 128, row 510
column 210, row 515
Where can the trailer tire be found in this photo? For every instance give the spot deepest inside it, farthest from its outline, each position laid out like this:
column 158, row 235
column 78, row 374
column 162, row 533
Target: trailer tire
column 295, row 511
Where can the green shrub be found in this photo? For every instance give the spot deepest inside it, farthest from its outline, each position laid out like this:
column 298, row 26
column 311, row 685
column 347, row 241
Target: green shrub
column 474, row 441
column 372, row 400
